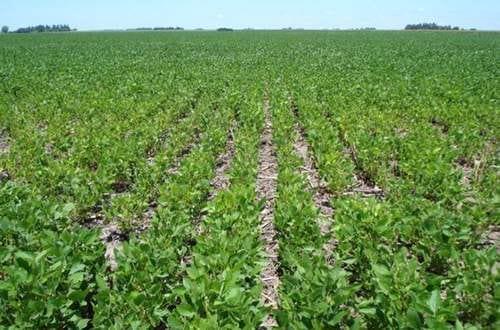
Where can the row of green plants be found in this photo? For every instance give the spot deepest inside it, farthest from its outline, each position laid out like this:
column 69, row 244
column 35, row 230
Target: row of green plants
column 90, row 114
column 314, row 294
column 79, row 125
column 221, row 286
column 75, row 151
column 415, row 259
column 49, row 267
column 140, row 292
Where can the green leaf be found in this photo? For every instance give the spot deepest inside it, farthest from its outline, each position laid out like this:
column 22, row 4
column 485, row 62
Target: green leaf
column 24, row 255
column 233, row 294
column 76, row 268
column 24, row 260
column 349, row 261
column 368, row 311
column 434, row 301
column 82, row 323
column 337, row 318
column 68, row 208
column 414, row 319
column 137, row 297
column 76, row 278
column 186, row 311
column 381, row 270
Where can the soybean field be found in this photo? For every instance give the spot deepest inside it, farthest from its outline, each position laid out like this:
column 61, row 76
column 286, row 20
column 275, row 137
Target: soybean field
column 250, row 179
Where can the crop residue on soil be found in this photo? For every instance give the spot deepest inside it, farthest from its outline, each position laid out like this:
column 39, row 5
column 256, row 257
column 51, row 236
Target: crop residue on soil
column 4, row 142
column 266, row 188
column 363, row 185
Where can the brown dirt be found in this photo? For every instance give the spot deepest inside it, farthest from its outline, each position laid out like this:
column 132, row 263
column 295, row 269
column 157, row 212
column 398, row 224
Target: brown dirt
column 363, row 188
column 266, row 187
column 401, row 132
column 491, row 238
column 120, row 186
column 112, row 237
column 474, row 169
column 322, row 196
column 467, row 170
column 221, row 181
column 364, row 185
column 49, row 148
column 147, row 217
column 4, row 143
column 4, row 176
column 440, row 125
column 174, row 169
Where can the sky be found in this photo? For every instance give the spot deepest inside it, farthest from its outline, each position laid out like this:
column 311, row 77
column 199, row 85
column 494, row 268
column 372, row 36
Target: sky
column 262, row 14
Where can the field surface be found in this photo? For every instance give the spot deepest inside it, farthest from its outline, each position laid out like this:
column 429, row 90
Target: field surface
column 204, row 180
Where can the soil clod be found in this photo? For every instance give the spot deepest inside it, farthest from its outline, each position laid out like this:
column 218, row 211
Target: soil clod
column 4, row 176
column 120, row 186
column 491, row 238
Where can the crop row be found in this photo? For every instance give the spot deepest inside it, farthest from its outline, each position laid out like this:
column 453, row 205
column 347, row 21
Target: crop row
column 379, row 213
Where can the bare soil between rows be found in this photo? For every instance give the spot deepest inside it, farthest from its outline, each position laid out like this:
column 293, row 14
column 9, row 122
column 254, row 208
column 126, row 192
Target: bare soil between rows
column 266, row 188
column 112, row 235
column 4, row 142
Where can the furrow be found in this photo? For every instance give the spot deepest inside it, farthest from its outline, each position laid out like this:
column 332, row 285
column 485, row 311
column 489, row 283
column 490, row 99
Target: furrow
column 4, row 142
column 174, row 169
column 221, row 180
column 113, row 236
column 266, row 188
column 95, row 218
column 322, row 195
column 165, row 135
column 364, row 184
column 151, row 265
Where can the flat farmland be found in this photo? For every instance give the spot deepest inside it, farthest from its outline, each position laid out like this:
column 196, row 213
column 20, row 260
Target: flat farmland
column 250, row 179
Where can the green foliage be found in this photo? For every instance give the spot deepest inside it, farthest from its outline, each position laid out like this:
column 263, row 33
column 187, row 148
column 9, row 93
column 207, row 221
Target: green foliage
column 93, row 122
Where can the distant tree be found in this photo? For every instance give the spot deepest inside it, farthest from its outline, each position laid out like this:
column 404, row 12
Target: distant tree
column 44, row 28
column 169, row 28
column 223, row 29
column 5, row 29
column 430, row 26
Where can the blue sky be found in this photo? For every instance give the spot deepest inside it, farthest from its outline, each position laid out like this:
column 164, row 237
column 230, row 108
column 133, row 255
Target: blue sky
column 309, row 14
